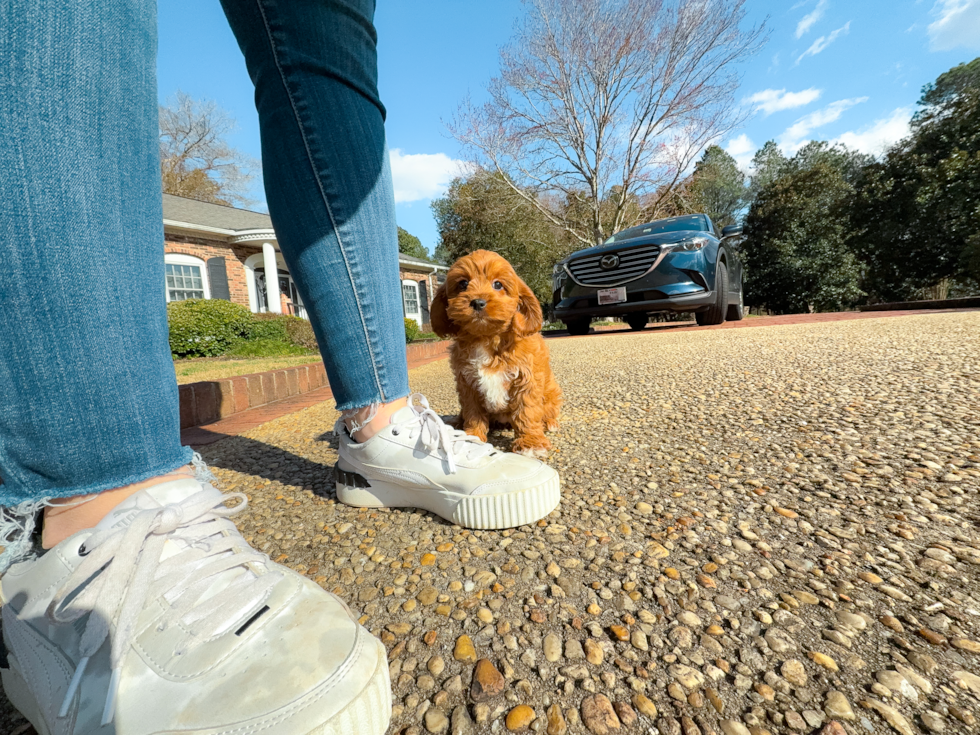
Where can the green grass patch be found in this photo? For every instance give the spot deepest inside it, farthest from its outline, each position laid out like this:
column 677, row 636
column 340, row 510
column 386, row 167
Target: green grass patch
column 222, row 368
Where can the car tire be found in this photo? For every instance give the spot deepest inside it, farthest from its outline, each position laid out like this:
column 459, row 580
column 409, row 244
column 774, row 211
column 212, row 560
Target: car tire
column 637, row 322
column 716, row 312
column 736, row 312
column 578, row 327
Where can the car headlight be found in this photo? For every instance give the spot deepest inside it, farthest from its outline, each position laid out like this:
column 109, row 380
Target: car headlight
column 558, row 276
column 695, row 243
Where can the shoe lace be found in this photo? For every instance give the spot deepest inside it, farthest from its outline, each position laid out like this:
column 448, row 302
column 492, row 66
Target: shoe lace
column 123, row 568
column 437, row 435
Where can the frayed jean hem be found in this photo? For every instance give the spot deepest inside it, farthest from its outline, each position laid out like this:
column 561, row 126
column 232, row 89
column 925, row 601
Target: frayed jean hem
column 19, row 522
column 12, row 496
column 353, row 406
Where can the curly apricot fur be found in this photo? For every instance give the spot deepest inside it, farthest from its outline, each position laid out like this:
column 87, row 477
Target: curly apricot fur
column 499, row 358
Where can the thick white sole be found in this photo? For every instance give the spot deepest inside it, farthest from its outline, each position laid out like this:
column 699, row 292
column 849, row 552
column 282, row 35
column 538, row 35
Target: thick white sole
column 502, row 510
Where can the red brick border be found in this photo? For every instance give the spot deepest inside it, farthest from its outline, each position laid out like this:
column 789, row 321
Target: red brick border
column 202, row 403
column 968, row 302
column 760, row 321
column 210, row 401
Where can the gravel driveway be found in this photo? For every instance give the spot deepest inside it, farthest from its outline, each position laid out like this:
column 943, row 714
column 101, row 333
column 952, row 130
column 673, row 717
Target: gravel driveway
column 761, row 531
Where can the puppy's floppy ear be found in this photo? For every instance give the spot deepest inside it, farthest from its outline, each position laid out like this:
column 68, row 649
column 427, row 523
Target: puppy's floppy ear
column 528, row 318
column 439, row 314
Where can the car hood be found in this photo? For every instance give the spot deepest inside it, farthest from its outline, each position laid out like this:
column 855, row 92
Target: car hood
column 664, row 238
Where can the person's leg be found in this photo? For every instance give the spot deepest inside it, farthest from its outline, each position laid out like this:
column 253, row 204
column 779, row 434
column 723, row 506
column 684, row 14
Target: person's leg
column 156, row 610
column 89, row 395
column 328, row 187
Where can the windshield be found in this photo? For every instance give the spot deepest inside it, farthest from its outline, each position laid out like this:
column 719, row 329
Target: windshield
column 675, row 224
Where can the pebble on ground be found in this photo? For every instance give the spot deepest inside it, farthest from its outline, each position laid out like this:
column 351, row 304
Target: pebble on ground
column 771, row 530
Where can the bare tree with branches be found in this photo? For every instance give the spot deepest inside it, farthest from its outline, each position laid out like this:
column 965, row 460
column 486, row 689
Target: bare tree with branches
column 601, row 104
column 195, row 158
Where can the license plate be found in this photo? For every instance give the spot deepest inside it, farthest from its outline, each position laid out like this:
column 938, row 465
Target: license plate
column 612, row 296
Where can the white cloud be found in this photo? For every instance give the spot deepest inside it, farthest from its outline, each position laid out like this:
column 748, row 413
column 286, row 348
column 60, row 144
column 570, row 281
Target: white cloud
column 742, row 149
column 775, row 100
column 957, row 24
column 880, row 135
column 808, row 20
column 798, row 133
column 420, row 176
column 824, row 41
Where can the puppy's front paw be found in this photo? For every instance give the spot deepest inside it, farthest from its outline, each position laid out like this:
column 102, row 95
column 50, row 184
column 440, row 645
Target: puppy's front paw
column 551, row 426
column 536, row 453
column 531, row 446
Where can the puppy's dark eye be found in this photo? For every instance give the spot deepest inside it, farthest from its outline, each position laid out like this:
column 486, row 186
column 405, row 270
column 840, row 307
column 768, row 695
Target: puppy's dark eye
column 498, row 286
column 461, row 286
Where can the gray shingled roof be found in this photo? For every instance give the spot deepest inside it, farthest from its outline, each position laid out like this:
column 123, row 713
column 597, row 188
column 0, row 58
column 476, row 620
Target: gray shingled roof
column 191, row 211
column 412, row 259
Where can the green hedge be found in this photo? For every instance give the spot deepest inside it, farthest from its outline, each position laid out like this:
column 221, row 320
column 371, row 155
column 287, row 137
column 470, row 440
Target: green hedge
column 265, row 348
column 412, row 330
column 284, row 328
column 206, row 327
column 212, row 327
column 268, row 327
column 300, row 332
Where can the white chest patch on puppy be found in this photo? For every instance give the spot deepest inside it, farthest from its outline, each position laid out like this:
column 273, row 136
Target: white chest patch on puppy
column 494, row 385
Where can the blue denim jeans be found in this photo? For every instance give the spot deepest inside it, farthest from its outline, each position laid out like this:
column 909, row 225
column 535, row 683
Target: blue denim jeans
column 89, row 397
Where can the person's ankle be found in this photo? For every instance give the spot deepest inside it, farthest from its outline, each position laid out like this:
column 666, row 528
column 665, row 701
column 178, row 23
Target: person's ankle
column 67, row 516
column 380, row 419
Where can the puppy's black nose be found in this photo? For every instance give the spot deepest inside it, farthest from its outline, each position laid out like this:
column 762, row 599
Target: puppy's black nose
column 478, row 304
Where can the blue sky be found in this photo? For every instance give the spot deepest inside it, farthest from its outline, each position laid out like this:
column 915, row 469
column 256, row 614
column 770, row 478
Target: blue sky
column 832, row 70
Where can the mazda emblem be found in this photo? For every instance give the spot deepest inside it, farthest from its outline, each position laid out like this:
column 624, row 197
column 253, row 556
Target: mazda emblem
column 609, row 262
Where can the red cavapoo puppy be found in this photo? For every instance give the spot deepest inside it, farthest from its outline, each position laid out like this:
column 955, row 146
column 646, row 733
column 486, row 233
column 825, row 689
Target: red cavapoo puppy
column 499, row 357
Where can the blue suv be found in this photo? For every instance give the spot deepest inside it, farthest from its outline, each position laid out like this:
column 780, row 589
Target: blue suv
column 681, row 264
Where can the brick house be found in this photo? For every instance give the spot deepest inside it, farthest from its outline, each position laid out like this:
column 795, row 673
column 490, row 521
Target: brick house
column 214, row 251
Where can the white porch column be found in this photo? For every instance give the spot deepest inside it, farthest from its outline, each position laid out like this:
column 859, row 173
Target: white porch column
column 271, row 277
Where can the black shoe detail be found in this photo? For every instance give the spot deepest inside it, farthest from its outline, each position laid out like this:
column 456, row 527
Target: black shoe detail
column 4, row 663
column 351, row 479
column 259, row 614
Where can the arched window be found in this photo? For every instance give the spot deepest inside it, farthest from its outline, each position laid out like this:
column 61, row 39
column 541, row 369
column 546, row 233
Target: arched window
column 186, row 277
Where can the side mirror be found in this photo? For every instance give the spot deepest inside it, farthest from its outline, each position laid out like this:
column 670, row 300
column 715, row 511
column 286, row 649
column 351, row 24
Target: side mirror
column 731, row 231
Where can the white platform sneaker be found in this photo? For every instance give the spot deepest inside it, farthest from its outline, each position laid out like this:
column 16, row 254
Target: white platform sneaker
column 163, row 620
column 418, row 461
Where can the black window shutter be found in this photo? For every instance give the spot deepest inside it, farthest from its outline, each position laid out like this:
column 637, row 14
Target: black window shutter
column 218, row 278
column 424, row 301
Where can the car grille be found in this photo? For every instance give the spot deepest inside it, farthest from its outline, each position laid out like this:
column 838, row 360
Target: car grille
column 633, row 263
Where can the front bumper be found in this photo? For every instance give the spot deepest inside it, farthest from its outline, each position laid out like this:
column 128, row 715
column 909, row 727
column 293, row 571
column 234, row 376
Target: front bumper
column 690, row 302
column 679, row 283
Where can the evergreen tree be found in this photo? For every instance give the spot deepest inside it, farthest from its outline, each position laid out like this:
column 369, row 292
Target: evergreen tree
column 767, row 164
column 849, row 163
column 481, row 212
column 949, row 85
column 794, row 251
column 717, row 187
column 408, row 244
column 916, row 215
